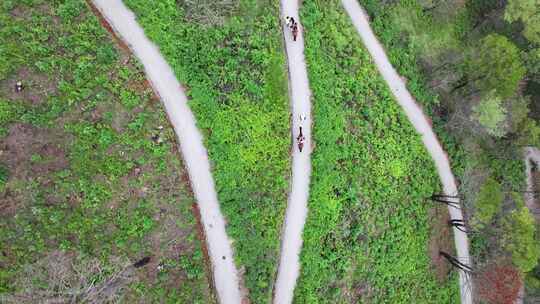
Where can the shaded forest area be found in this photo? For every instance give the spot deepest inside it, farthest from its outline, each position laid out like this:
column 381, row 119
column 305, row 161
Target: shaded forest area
column 475, row 67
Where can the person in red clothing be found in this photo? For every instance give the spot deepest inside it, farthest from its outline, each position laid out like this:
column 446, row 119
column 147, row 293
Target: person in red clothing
column 300, row 139
column 295, row 31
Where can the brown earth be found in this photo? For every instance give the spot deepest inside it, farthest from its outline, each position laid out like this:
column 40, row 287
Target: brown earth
column 37, row 87
column 30, row 152
column 440, row 240
column 16, row 151
column 24, row 141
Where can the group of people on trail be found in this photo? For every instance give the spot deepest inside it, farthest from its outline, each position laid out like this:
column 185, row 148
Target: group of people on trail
column 293, row 25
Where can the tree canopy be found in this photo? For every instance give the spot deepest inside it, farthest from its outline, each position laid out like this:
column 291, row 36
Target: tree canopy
column 520, row 239
column 491, row 114
column 496, row 64
column 488, row 202
column 528, row 12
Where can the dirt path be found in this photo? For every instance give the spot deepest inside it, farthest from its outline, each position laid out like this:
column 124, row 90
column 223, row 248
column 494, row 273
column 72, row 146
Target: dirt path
column 532, row 155
column 291, row 241
column 422, row 126
column 164, row 82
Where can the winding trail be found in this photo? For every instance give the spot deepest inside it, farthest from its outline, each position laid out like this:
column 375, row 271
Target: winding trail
column 532, row 155
column 295, row 218
column 422, row 126
column 164, row 82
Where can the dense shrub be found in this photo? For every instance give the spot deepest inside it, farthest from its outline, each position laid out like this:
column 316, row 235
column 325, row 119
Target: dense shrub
column 488, row 203
column 521, row 239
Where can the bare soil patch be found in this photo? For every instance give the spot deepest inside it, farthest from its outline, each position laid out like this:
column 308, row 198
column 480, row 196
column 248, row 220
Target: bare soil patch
column 25, row 141
column 37, row 87
column 8, row 203
column 440, row 240
column 29, row 152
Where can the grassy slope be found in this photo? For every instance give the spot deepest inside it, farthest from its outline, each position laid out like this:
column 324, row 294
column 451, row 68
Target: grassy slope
column 367, row 231
column 404, row 55
column 73, row 180
column 236, row 81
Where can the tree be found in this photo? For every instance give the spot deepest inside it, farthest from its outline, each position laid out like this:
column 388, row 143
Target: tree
column 491, row 114
column 532, row 29
column 531, row 60
column 495, row 64
column 529, row 133
column 499, row 283
column 519, row 239
column 518, row 110
column 520, row 9
column 446, row 9
column 488, row 202
column 528, row 12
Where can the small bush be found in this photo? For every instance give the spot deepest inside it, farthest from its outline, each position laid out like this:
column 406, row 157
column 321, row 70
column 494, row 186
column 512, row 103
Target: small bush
column 4, row 176
column 488, row 202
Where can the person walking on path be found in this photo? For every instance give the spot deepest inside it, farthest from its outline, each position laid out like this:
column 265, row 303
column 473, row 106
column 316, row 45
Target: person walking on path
column 300, row 139
column 293, row 25
column 297, row 203
column 295, row 31
column 289, row 21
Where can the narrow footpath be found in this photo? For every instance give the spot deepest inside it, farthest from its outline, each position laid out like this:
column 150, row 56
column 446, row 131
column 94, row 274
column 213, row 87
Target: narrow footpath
column 295, row 218
column 532, row 156
column 422, row 126
column 164, row 82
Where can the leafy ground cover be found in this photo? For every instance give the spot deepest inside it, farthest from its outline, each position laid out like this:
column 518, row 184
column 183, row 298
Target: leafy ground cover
column 367, row 236
column 430, row 44
column 87, row 189
column 415, row 46
column 234, row 70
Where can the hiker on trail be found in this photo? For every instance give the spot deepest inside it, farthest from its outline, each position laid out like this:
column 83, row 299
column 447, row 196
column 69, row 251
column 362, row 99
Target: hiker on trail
column 18, row 86
column 300, row 139
column 303, row 117
column 301, row 136
column 289, row 21
column 295, row 31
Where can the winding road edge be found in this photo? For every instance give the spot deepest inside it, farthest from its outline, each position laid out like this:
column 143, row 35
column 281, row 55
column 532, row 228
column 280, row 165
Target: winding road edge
column 297, row 206
column 164, row 83
column 418, row 119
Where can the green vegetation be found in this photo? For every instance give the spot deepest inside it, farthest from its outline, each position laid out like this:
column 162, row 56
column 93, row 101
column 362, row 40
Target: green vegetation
column 525, row 11
column 235, row 75
column 491, row 115
column 481, row 88
column 520, row 239
column 489, row 202
column 4, row 176
column 495, row 65
column 367, row 232
column 89, row 192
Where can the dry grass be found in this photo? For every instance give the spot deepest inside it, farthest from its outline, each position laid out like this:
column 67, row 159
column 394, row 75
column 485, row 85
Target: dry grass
column 209, row 12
